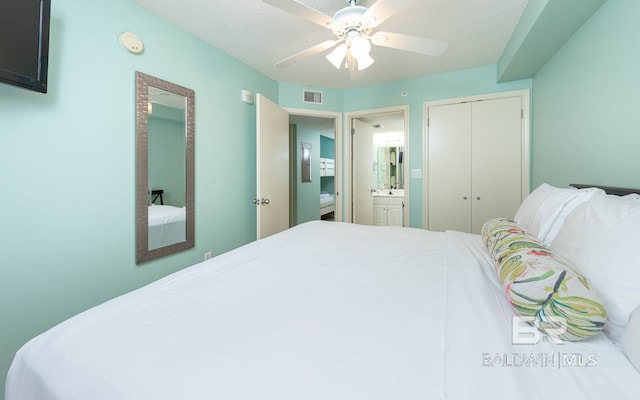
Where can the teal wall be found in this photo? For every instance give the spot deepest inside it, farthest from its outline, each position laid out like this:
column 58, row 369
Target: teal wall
column 67, row 165
column 290, row 95
column 328, row 184
column 307, row 193
column 167, row 160
column 586, row 123
column 327, row 147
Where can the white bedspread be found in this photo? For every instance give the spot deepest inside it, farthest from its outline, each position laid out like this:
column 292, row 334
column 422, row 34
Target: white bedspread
column 166, row 225
column 325, row 310
column 327, row 203
column 326, row 199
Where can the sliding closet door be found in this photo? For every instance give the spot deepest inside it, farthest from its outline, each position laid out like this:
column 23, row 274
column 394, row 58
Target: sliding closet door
column 496, row 170
column 449, row 149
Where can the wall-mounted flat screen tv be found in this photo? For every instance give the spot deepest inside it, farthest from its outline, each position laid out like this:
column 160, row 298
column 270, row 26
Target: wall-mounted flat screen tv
column 24, row 43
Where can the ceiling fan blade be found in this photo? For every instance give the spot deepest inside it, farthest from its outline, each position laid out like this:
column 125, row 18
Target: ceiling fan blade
column 415, row 44
column 311, row 51
column 381, row 10
column 306, row 12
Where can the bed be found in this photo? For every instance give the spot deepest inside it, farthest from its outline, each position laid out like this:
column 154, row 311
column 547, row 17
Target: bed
column 327, row 203
column 329, row 310
column 166, row 225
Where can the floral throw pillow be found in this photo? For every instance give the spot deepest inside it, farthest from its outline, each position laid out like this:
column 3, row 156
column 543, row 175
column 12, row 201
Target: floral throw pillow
column 541, row 284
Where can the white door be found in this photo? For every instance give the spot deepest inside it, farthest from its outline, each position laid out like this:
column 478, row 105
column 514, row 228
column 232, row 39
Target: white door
column 449, row 192
column 475, row 163
column 363, row 177
column 272, row 161
column 497, row 159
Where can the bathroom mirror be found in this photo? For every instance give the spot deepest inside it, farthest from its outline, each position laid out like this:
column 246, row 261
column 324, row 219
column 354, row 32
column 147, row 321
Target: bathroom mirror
column 165, row 133
column 389, row 160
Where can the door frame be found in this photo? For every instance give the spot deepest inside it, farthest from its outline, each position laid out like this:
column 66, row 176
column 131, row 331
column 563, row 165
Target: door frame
column 348, row 188
column 525, row 96
column 337, row 117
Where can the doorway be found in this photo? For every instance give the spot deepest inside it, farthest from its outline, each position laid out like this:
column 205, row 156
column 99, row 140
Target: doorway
column 276, row 165
column 314, row 194
column 378, row 175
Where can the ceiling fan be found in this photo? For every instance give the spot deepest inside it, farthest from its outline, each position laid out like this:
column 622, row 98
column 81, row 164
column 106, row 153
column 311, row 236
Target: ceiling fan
column 354, row 27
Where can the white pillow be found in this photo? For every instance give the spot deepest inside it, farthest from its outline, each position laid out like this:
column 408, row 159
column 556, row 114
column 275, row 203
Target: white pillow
column 631, row 338
column 602, row 239
column 543, row 212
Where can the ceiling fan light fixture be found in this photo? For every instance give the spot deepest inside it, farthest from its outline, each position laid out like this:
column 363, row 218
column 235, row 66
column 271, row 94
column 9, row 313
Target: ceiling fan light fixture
column 364, row 61
column 337, row 55
column 360, row 47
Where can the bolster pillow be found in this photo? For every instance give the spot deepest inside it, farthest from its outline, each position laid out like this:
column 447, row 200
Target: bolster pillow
column 541, row 284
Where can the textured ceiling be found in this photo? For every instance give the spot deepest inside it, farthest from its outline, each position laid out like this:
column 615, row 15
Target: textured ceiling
column 261, row 35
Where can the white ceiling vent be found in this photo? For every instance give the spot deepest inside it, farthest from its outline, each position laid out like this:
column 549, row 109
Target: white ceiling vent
column 311, row 96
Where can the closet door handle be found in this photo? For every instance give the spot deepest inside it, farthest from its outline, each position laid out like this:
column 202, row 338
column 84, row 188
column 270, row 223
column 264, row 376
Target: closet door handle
column 478, row 198
column 464, row 197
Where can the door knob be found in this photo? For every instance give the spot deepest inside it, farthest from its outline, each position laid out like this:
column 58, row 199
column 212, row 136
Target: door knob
column 256, row 202
column 264, row 201
column 464, row 197
column 478, row 198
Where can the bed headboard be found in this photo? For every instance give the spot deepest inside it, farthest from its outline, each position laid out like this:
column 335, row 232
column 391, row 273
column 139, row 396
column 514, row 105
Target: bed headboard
column 608, row 189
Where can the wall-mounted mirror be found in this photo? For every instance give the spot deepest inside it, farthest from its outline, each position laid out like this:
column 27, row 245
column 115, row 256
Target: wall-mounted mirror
column 165, row 133
column 389, row 160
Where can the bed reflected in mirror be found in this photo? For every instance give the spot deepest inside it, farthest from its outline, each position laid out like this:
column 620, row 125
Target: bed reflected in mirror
column 164, row 168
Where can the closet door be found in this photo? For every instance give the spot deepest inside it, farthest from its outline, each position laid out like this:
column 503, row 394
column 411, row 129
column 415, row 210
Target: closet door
column 496, row 168
column 449, row 153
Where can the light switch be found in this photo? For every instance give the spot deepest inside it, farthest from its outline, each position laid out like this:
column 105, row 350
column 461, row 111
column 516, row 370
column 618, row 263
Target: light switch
column 416, row 174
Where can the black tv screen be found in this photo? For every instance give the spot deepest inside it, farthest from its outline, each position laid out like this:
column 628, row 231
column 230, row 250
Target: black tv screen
column 24, row 43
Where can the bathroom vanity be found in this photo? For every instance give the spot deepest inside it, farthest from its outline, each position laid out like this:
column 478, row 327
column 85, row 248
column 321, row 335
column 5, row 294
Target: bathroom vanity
column 388, row 207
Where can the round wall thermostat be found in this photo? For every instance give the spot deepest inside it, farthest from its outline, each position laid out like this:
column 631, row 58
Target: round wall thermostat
column 131, row 42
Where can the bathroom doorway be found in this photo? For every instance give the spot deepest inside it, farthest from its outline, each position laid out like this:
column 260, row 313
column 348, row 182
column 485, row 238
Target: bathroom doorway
column 379, row 179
